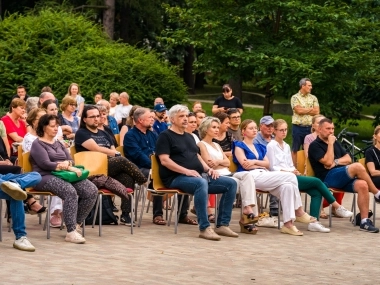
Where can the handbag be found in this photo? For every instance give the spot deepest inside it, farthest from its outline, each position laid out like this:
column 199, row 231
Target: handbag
column 70, row 176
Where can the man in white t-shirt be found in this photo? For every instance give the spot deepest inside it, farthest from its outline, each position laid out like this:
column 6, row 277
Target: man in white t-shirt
column 123, row 109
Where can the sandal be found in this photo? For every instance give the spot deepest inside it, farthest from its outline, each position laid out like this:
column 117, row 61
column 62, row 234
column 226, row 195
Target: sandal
column 32, row 212
column 166, row 206
column 187, row 220
column 249, row 218
column 306, row 219
column 211, row 218
column 159, row 221
column 291, row 231
column 248, row 229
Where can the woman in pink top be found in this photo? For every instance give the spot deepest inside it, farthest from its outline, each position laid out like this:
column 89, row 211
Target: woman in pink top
column 308, row 140
column 14, row 125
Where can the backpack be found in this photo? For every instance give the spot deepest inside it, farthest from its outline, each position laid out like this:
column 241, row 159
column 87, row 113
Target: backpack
column 358, row 219
column 108, row 217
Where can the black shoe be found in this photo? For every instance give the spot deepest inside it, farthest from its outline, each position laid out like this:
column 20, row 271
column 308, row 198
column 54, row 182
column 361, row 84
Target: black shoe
column 376, row 199
column 125, row 219
column 368, row 227
column 273, row 212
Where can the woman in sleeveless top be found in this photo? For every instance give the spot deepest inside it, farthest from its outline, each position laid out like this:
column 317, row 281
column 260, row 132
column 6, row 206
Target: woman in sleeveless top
column 215, row 158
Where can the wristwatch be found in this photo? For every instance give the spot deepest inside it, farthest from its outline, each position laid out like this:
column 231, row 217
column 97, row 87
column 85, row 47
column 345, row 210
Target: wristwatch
column 117, row 154
column 336, row 161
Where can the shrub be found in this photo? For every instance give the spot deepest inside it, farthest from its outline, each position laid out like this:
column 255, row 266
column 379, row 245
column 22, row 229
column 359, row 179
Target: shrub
column 57, row 48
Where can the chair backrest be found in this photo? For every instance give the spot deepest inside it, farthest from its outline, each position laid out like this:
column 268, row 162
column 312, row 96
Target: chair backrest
column 26, row 165
column 309, row 169
column 19, row 155
column 93, row 161
column 362, row 162
column 120, row 149
column 233, row 167
column 300, row 161
column 72, row 151
column 117, row 137
column 157, row 182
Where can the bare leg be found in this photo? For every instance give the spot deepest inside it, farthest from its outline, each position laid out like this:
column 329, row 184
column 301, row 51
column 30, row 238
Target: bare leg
column 361, row 188
column 358, row 170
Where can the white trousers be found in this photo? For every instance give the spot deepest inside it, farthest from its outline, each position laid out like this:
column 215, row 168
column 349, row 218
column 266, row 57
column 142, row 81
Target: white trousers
column 247, row 188
column 56, row 204
column 284, row 186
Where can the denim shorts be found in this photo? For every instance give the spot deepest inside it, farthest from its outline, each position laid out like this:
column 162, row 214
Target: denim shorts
column 339, row 178
column 299, row 133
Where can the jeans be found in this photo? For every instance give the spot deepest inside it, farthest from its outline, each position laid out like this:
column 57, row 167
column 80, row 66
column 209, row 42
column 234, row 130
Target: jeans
column 200, row 188
column 24, row 180
column 17, row 213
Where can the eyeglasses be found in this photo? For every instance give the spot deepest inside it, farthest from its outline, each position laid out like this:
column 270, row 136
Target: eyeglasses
column 282, row 130
column 93, row 117
column 72, row 104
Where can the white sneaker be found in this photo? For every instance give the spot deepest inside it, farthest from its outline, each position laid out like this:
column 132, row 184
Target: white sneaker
column 14, row 190
column 75, row 237
column 23, row 244
column 343, row 212
column 317, row 227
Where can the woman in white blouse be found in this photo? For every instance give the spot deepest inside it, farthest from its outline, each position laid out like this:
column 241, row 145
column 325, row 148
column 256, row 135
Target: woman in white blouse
column 213, row 155
column 280, row 159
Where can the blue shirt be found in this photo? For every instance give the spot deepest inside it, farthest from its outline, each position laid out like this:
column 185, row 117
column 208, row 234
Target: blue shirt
column 112, row 124
column 261, row 150
column 259, row 139
column 138, row 147
column 160, row 126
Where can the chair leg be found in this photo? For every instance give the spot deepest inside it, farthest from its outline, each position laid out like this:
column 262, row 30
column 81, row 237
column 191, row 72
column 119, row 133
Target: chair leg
column 175, row 212
column 266, row 201
column 279, row 214
column 305, row 206
column 96, row 212
column 100, row 214
column 147, row 207
column 330, row 215
column 354, row 207
column 374, row 212
column 133, row 211
column 175, row 202
column 47, row 219
column 217, row 209
column 143, row 199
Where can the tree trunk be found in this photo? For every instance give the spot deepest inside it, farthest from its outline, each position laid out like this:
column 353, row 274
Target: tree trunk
column 200, row 79
column 237, row 87
column 109, row 18
column 188, row 75
column 125, row 12
column 268, row 101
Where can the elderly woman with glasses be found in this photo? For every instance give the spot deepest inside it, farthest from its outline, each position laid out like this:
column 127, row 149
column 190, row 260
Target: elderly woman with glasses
column 108, row 120
column 227, row 101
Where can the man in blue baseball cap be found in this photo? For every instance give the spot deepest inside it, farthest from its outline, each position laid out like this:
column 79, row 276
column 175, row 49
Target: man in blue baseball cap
column 159, row 122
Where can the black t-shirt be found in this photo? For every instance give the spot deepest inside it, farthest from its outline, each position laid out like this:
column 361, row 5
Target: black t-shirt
column 233, row 103
column 373, row 155
column 317, row 151
column 101, row 138
column 181, row 149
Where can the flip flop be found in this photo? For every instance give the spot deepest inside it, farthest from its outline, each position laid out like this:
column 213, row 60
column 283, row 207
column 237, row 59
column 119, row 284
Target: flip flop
column 159, row 221
column 188, row 221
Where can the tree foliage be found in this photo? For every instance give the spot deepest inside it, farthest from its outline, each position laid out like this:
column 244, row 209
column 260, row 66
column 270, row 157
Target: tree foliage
column 275, row 43
column 58, row 47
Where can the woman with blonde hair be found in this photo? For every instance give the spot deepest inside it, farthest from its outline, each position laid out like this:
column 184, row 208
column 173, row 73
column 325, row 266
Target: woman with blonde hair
column 114, row 99
column 74, row 92
column 128, row 124
column 197, row 106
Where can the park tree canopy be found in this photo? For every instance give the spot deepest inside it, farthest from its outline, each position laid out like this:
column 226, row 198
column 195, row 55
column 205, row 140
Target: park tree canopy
column 276, row 43
column 56, row 47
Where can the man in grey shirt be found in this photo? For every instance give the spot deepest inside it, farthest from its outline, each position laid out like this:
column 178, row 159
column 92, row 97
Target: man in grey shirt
column 264, row 136
column 235, row 120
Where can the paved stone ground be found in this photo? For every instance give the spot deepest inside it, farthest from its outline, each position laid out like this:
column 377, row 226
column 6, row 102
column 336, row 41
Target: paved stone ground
column 154, row 255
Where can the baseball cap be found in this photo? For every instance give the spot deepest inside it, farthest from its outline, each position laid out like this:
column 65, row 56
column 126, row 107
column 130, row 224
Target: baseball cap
column 160, row 108
column 266, row 120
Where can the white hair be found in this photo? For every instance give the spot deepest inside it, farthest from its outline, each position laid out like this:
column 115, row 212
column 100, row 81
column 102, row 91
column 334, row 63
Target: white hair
column 177, row 109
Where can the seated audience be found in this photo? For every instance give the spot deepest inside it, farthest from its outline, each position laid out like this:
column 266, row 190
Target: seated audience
column 21, row 93
column 197, row 106
column 252, row 157
column 90, row 138
column 12, row 186
column 67, row 118
column 51, row 108
column 160, row 124
column 280, row 159
column 192, row 126
column 235, row 120
column 102, row 126
column 32, row 120
column 74, row 92
column 199, row 115
column 128, row 124
column 333, row 165
column 98, row 96
column 181, row 166
column 123, row 109
column 109, row 121
column 114, row 99
column 212, row 154
column 47, row 155
column 308, row 140
column 224, row 138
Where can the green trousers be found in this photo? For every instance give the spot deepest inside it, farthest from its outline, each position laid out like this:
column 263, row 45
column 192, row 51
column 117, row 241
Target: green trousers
column 316, row 189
